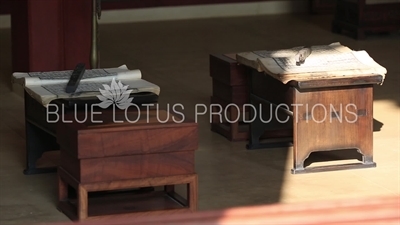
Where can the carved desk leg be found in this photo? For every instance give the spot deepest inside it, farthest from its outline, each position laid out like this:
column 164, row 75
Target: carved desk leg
column 333, row 119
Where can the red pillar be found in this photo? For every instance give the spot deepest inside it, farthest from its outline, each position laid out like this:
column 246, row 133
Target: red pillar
column 50, row 34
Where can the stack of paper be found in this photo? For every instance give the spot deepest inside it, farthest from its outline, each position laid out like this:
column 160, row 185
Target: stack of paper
column 324, row 62
column 48, row 86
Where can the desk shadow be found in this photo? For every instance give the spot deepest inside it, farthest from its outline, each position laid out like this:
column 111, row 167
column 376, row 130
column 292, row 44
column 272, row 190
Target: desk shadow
column 233, row 176
column 377, row 125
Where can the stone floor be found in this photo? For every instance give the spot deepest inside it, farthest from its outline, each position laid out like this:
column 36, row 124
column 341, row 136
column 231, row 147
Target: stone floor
column 174, row 55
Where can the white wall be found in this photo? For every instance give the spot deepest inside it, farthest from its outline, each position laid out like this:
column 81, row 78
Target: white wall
column 204, row 11
column 192, row 12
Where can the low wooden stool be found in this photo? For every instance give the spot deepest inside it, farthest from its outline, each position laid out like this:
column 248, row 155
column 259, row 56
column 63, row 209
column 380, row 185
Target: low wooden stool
column 145, row 149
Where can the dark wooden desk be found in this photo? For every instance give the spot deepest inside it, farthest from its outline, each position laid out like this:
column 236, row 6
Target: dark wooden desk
column 109, row 156
column 41, row 135
column 325, row 115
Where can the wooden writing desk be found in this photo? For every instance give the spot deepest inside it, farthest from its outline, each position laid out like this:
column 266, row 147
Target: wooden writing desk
column 41, row 135
column 339, row 116
column 109, row 156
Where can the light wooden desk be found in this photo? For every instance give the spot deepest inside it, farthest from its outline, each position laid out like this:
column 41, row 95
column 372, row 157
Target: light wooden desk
column 325, row 115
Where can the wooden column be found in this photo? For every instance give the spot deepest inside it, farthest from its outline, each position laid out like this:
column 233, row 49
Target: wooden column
column 50, row 35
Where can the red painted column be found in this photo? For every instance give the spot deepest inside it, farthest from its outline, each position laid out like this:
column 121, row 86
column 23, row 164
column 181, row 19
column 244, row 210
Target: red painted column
column 50, row 34
column 77, row 32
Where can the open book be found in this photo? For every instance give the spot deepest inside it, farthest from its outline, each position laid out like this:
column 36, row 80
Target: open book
column 48, row 86
column 324, row 62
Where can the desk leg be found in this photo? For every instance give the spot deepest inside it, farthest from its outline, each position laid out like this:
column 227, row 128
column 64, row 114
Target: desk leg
column 256, row 127
column 82, row 203
column 265, row 122
column 37, row 142
column 333, row 119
